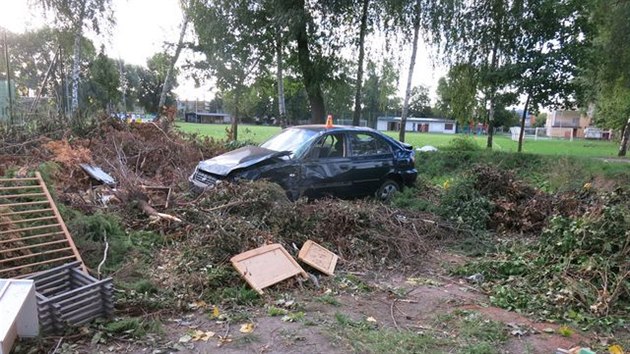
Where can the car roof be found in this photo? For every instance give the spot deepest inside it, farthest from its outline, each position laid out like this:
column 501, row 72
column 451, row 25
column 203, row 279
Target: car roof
column 322, row 127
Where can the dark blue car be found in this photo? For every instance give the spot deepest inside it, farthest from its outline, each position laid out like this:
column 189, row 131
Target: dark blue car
column 316, row 161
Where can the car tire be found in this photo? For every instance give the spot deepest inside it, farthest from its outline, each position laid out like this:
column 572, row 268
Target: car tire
column 387, row 190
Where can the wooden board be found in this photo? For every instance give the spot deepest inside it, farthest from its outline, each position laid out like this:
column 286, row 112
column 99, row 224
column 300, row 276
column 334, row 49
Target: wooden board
column 266, row 265
column 318, row 257
column 33, row 236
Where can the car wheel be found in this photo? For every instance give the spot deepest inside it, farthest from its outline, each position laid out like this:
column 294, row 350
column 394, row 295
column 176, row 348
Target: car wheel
column 386, row 191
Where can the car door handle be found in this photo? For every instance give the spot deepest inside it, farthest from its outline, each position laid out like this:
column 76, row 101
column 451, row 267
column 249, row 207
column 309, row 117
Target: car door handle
column 344, row 167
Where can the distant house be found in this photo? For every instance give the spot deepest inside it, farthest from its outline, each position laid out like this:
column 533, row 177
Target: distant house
column 424, row 125
column 567, row 124
column 206, row 117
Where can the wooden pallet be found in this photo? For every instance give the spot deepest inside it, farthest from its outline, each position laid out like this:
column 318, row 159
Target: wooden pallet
column 33, row 236
column 66, row 296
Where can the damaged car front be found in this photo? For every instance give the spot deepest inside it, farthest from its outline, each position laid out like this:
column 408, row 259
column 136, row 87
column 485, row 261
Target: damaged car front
column 274, row 160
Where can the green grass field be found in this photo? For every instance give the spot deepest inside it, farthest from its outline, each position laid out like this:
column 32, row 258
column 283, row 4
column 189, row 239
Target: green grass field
column 578, row 147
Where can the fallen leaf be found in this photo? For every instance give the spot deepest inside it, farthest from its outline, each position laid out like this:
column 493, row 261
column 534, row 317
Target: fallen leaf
column 548, row 330
column 198, row 335
column 185, row 338
column 224, row 340
column 615, row 349
column 215, row 311
column 199, row 304
column 371, row 319
column 247, row 328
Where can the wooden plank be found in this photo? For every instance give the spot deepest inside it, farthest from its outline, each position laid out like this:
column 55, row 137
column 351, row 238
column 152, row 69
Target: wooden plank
column 81, row 302
column 63, row 225
column 25, row 195
column 18, row 179
column 21, row 221
column 63, row 279
column 16, row 188
column 84, row 276
column 48, row 234
column 318, row 257
column 25, row 212
column 29, row 229
column 5, row 270
column 25, row 203
column 42, row 282
column 266, row 265
column 73, row 292
column 35, row 254
column 46, row 273
column 32, row 246
column 85, row 317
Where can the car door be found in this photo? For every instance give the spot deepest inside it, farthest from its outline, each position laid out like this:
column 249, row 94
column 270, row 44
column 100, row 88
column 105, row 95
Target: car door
column 326, row 167
column 372, row 160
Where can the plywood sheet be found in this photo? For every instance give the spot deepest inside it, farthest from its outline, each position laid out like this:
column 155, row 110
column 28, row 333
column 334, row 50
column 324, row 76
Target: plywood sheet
column 318, row 257
column 266, row 265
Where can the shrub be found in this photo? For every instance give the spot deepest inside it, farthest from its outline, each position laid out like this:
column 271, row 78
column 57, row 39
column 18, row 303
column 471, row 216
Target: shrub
column 463, row 143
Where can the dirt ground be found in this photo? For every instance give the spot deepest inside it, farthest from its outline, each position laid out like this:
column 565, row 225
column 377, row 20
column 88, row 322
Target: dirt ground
column 422, row 301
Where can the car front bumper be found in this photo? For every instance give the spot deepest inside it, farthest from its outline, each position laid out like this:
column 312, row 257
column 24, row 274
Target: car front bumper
column 409, row 177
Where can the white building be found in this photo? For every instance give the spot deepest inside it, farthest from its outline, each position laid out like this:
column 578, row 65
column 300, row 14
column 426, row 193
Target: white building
column 425, row 125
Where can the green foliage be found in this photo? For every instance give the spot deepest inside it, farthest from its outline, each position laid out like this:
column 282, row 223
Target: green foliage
column 328, row 299
column 457, row 93
column 235, row 296
column 463, row 204
column 102, row 90
column 576, row 271
column 463, row 143
column 132, row 326
column 235, row 144
column 276, row 311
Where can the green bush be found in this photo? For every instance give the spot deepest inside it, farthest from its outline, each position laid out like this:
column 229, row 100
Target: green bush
column 463, row 143
column 576, row 271
column 464, row 205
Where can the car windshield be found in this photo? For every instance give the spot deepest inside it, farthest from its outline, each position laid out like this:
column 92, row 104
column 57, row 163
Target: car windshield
column 294, row 140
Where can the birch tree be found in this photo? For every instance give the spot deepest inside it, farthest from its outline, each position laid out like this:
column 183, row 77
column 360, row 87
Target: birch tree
column 167, row 86
column 77, row 16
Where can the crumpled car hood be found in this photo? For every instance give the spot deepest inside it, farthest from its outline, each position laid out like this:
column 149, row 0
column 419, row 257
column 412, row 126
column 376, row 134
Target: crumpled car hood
column 243, row 157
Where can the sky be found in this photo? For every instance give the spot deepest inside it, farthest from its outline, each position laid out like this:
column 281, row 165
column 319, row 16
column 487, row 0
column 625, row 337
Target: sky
column 143, row 26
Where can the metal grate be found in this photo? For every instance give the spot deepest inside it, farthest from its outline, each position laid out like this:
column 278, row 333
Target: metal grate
column 33, row 236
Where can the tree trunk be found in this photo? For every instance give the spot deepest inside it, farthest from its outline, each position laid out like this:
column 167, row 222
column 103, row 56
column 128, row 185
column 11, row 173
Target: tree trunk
column 623, row 147
column 282, row 110
column 234, row 127
column 522, row 132
column 169, row 73
column 8, row 63
column 76, row 60
column 310, row 75
column 493, row 66
column 356, row 116
column 412, row 63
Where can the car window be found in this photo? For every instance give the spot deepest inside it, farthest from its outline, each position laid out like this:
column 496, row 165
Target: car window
column 292, row 139
column 329, row 146
column 364, row 144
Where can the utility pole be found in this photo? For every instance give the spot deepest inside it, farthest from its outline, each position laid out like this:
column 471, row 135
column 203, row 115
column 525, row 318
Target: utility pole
column 6, row 58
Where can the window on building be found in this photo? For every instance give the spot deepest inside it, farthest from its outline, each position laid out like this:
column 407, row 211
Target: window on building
column 448, row 126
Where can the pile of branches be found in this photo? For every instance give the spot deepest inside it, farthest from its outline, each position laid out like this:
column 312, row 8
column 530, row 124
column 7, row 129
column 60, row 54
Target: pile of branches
column 518, row 207
column 234, row 218
column 576, row 271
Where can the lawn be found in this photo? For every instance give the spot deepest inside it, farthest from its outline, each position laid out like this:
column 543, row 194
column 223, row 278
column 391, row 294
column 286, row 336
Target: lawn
column 578, row 147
